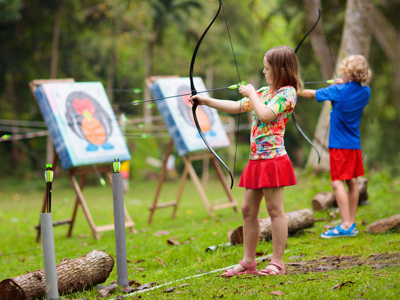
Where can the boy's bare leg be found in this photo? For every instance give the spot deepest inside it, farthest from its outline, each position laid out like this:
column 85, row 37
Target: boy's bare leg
column 353, row 196
column 274, row 200
column 342, row 199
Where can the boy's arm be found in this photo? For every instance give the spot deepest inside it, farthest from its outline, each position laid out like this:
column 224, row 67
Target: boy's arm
column 307, row 94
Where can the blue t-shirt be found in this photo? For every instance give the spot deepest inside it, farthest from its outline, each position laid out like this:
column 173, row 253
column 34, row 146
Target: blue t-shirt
column 348, row 102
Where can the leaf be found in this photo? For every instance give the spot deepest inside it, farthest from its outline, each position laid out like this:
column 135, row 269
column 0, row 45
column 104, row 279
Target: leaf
column 183, row 285
column 339, row 285
column 297, row 264
column 104, row 292
column 141, row 269
column 134, row 282
column 128, row 289
column 276, row 293
column 160, row 261
column 173, row 242
column 147, row 286
column 169, row 290
column 161, row 232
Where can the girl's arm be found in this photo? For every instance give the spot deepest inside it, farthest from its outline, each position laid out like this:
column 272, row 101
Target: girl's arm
column 228, row 106
column 264, row 113
column 307, row 94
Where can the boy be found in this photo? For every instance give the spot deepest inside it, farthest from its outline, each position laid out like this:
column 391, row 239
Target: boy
column 348, row 96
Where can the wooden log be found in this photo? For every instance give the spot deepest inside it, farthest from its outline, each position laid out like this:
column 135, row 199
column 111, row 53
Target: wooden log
column 324, row 200
column 297, row 220
column 72, row 276
column 362, row 187
column 383, row 225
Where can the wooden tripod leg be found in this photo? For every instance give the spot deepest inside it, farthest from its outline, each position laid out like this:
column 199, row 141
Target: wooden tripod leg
column 223, row 182
column 160, row 181
column 84, row 206
column 181, row 185
column 71, row 225
column 197, row 184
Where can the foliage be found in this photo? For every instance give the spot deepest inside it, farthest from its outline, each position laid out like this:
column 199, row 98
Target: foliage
column 195, row 230
column 93, row 31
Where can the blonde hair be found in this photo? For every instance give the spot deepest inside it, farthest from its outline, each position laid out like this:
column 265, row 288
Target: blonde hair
column 285, row 68
column 356, row 68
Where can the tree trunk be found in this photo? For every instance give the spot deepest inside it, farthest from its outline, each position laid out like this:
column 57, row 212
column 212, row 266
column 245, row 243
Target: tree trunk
column 321, row 48
column 112, row 64
column 324, row 200
column 389, row 40
column 297, row 220
column 356, row 39
column 147, row 110
column 381, row 226
column 53, row 67
column 72, row 276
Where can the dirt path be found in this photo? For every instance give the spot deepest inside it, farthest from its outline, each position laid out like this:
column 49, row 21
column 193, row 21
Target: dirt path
column 330, row 263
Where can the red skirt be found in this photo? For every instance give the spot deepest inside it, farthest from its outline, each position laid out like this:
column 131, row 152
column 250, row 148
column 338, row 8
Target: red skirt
column 274, row 172
column 345, row 164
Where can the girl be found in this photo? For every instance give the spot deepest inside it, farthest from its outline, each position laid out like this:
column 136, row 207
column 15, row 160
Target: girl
column 349, row 96
column 269, row 168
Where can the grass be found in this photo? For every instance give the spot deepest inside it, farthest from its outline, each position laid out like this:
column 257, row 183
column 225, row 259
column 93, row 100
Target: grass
column 148, row 253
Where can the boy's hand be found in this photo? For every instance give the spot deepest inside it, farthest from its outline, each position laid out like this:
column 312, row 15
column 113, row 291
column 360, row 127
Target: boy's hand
column 247, row 90
column 338, row 81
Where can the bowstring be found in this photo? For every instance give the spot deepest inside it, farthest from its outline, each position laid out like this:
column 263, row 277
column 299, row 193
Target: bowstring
column 237, row 70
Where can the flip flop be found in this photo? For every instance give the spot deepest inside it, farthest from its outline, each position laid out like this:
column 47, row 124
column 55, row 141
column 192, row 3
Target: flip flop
column 271, row 272
column 248, row 269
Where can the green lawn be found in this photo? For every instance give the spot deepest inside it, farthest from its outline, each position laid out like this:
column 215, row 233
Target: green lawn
column 152, row 259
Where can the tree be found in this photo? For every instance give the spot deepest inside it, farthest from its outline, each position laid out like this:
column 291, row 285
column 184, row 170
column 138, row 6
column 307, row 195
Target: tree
column 356, row 39
column 163, row 11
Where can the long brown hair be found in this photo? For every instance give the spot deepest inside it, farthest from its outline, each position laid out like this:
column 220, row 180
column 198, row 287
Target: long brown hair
column 285, row 68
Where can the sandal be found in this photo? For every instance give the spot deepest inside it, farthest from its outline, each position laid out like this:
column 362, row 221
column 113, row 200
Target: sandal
column 341, row 232
column 271, row 272
column 247, row 270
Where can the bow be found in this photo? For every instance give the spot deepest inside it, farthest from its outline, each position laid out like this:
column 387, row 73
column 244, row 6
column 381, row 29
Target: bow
column 293, row 116
column 194, row 91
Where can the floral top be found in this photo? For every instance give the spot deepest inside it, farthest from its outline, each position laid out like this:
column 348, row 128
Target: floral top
column 266, row 140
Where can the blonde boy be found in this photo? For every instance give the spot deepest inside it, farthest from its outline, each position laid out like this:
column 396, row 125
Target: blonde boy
column 349, row 96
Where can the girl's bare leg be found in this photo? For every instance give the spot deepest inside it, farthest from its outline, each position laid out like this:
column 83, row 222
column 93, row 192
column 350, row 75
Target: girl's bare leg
column 251, row 228
column 274, row 200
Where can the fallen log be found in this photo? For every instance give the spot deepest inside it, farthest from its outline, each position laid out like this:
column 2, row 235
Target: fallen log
column 324, row 200
column 383, row 225
column 297, row 220
column 72, row 276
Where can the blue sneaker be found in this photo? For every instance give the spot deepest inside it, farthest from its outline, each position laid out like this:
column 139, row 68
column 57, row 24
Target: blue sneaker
column 352, row 231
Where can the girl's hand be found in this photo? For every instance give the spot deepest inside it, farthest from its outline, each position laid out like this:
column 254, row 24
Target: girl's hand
column 199, row 98
column 247, row 90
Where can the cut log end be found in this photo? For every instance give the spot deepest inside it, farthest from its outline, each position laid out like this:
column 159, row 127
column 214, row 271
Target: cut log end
column 10, row 290
column 384, row 225
column 72, row 276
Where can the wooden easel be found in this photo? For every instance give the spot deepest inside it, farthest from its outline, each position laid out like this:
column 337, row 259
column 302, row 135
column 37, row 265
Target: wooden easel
column 189, row 170
column 78, row 187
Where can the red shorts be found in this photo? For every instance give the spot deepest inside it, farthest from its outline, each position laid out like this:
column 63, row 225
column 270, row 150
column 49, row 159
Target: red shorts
column 274, row 172
column 345, row 164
